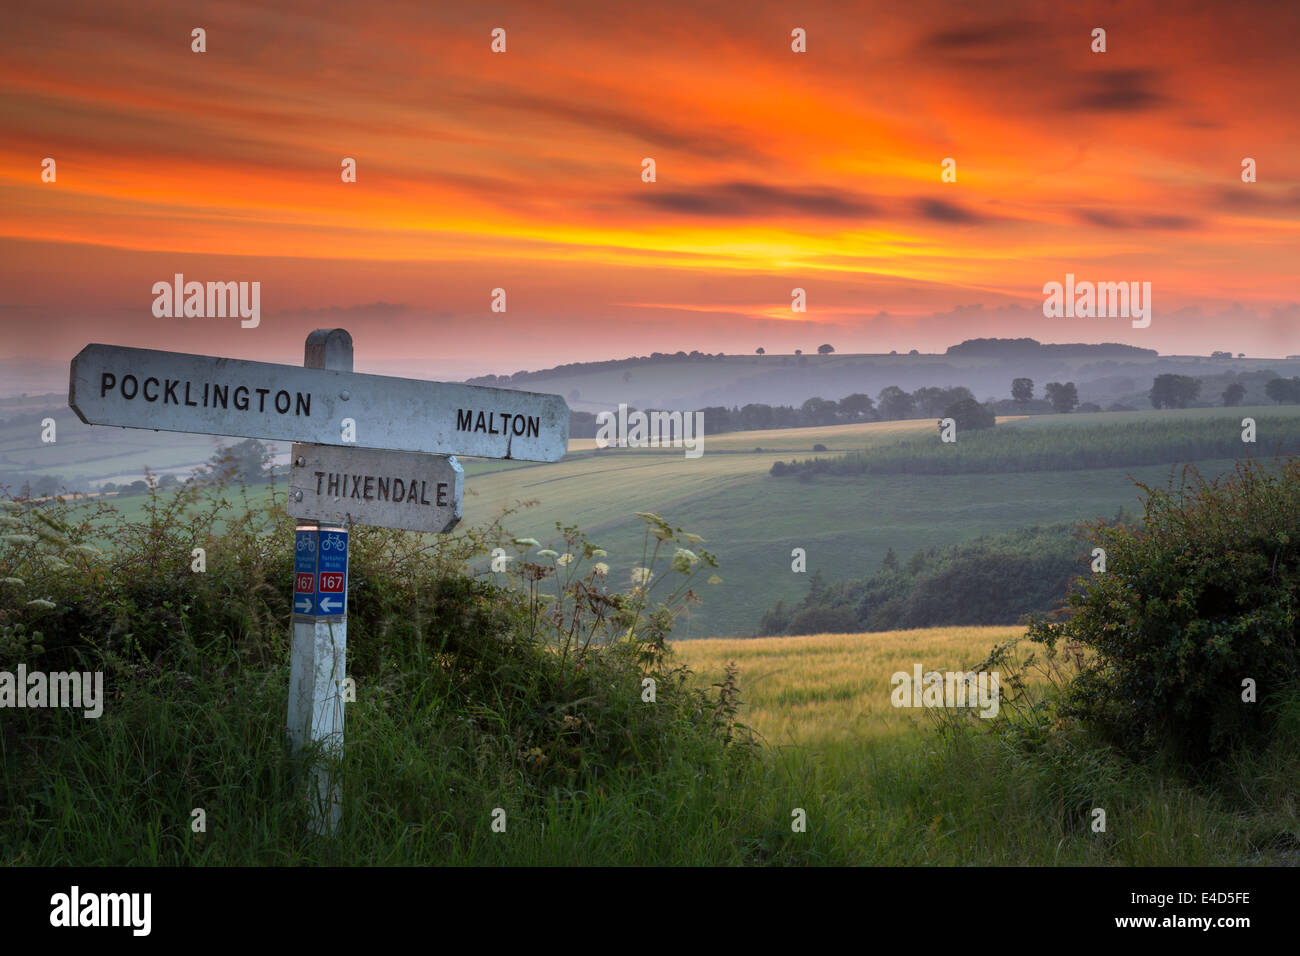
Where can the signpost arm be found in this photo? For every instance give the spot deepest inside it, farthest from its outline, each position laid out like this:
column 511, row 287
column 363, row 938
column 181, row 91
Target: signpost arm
column 317, row 663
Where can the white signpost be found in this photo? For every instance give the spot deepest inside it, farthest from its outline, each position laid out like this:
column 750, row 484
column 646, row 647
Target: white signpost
column 368, row 450
column 390, row 489
column 174, row 391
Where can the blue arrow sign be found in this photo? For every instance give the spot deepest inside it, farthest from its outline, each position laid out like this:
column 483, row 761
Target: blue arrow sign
column 330, row 604
column 303, row 604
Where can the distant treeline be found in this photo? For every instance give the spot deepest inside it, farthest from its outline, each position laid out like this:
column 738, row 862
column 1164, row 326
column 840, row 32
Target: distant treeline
column 894, row 403
column 1032, row 348
column 992, row 580
column 587, row 367
column 984, row 348
column 1061, row 448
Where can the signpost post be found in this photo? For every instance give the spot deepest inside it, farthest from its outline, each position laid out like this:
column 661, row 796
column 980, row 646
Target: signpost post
column 369, row 449
column 318, row 652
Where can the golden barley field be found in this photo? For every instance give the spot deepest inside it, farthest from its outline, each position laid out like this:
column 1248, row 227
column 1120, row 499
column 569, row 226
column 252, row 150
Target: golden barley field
column 830, row 688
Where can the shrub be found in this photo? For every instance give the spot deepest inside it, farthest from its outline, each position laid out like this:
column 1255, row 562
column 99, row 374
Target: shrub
column 1202, row 597
column 995, row 579
column 970, row 415
column 539, row 679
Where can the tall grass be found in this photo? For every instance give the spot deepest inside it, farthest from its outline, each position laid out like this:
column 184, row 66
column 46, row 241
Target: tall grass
column 475, row 695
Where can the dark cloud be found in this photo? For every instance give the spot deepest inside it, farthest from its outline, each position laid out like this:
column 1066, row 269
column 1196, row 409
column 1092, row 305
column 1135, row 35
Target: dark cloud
column 1110, row 220
column 1118, row 91
column 1096, row 218
column 746, row 199
column 591, row 113
column 1168, row 222
column 938, row 210
column 1242, row 196
column 980, row 37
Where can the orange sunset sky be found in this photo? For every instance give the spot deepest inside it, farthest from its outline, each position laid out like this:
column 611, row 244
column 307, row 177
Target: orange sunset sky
column 522, row 170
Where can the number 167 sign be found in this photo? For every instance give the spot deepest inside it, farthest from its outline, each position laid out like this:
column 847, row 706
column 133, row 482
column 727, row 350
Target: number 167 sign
column 320, row 573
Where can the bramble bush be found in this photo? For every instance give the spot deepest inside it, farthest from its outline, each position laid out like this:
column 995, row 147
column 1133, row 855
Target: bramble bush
column 1200, row 597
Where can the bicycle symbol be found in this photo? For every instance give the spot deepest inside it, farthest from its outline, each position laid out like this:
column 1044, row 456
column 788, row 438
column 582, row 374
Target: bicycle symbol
column 306, row 543
column 333, row 543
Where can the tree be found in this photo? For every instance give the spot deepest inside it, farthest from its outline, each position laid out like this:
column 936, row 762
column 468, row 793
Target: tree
column 717, row 418
column 168, row 481
column 760, row 351
column 247, row 460
column 895, row 403
column 970, row 414
column 931, row 401
column 914, row 352
column 798, row 351
column 1283, row 390
column 1233, row 394
column 1174, row 391
column 818, row 411
column 756, row 415
column 1063, row 397
column 1022, row 390
column 825, row 349
column 46, row 486
column 856, row 407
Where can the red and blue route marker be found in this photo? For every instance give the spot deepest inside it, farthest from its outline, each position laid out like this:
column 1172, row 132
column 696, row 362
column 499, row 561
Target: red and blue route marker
column 304, row 571
column 332, row 574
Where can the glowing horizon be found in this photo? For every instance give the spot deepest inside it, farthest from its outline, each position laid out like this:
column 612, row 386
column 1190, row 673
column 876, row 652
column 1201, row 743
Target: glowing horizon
column 774, row 170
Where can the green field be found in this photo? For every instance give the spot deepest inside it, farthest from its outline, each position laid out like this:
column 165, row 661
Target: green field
column 752, row 521
column 83, row 452
column 845, row 524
